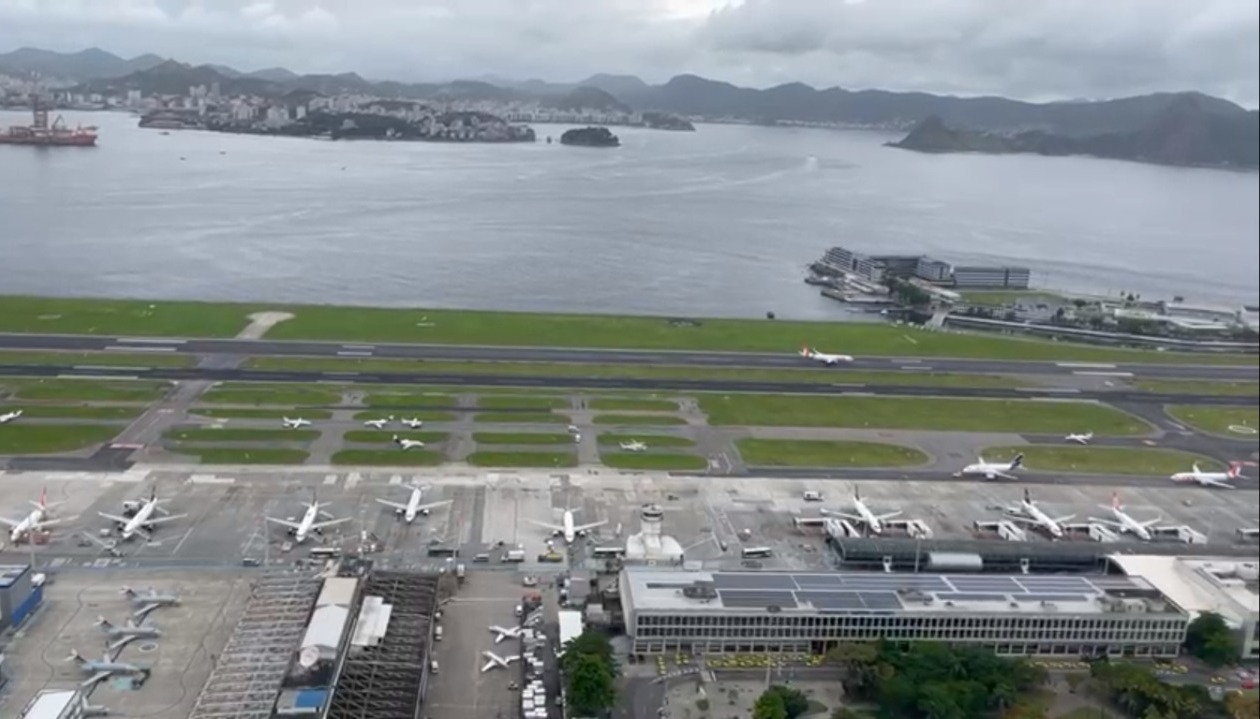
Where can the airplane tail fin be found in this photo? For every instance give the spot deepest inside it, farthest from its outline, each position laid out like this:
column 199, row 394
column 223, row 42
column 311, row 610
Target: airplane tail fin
column 1115, row 501
column 1018, row 461
column 1196, row 469
column 103, row 623
column 75, row 656
column 1027, row 496
column 43, row 497
column 127, row 591
column 1235, row 469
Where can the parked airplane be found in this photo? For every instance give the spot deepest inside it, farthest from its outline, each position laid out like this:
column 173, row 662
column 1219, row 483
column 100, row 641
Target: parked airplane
column 379, row 423
column 104, row 668
column 148, row 601
column 296, row 423
column 813, row 354
column 1210, row 479
column 502, row 633
column 10, row 416
column 568, row 529
column 141, row 521
column 407, row 444
column 413, row 423
column 302, row 529
column 635, row 446
column 992, row 470
column 127, row 632
column 1079, row 438
column 1028, row 512
column 874, row 523
column 497, row 662
column 1122, row 521
column 37, row 520
column 413, row 507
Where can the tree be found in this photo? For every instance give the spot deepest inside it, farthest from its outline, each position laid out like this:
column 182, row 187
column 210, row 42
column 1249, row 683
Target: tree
column 795, row 703
column 592, row 686
column 844, row 713
column 1209, row 639
column 769, row 706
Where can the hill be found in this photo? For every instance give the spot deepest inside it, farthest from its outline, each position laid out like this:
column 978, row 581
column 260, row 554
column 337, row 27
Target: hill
column 81, row 65
column 587, row 98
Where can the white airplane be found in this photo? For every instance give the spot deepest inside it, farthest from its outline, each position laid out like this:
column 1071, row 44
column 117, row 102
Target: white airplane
column 993, row 470
column 830, row 360
column 104, row 668
column 407, row 444
column 412, row 508
column 863, row 515
column 141, row 522
column 10, row 416
column 502, row 633
column 497, row 662
column 379, row 423
column 296, row 423
column 412, row 423
column 121, row 635
column 310, row 521
column 148, row 601
column 1122, row 521
column 1079, row 438
column 1210, row 479
column 635, row 446
column 35, row 521
column 568, row 529
column 1028, row 512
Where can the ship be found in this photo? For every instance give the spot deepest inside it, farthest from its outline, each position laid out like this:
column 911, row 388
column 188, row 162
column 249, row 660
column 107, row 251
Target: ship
column 40, row 132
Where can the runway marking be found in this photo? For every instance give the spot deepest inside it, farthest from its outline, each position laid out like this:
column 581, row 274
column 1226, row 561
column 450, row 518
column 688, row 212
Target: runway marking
column 350, row 353
column 150, row 341
column 1086, row 365
column 857, row 394
column 916, row 368
column 97, row 376
column 210, row 479
column 139, row 349
column 396, row 479
column 1082, row 373
column 108, row 368
column 369, row 348
column 1060, row 390
column 181, row 541
column 330, row 480
column 343, row 373
column 353, row 480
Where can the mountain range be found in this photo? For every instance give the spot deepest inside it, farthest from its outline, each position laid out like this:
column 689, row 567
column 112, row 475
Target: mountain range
column 1228, row 128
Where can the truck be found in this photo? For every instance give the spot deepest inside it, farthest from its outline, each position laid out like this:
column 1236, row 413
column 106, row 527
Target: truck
column 551, row 557
column 460, row 573
column 514, row 555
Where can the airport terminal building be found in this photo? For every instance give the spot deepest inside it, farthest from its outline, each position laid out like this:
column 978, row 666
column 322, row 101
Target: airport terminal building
column 678, row 611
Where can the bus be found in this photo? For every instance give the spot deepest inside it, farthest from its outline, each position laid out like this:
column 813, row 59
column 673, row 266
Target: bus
column 325, row 552
column 754, row 552
column 608, row 552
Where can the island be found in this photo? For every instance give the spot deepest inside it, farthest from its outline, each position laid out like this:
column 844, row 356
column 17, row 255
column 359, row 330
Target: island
column 666, row 121
column 590, row 137
column 459, row 126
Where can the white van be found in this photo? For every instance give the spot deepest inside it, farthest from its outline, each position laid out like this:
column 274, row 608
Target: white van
column 812, row 496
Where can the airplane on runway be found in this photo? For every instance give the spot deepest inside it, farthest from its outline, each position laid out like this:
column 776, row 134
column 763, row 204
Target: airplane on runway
column 993, row 470
column 296, row 423
column 413, row 507
column 302, row 529
column 829, row 360
column 141, row 520
column 127, row 632
column 502, row 633
column 412, row 423
column 104, row 668
column 497, row 662
column 1079, row 438
column 407, row 444
column 874, row 523
column 1028, row 512
column 568, row 529
column 1122, row 521
column 379, row 423
column 147, row 602
column 634, row 446
column 10, row 416
column 36, row 521
column 1210, row 479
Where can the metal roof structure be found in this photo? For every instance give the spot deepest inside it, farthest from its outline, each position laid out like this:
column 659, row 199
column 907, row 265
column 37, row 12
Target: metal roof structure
column 246, row 679
column 11, row 573
column 53, row 704
column 385, row 680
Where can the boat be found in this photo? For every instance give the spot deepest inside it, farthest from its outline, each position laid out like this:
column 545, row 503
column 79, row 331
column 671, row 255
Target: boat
column 40, row 132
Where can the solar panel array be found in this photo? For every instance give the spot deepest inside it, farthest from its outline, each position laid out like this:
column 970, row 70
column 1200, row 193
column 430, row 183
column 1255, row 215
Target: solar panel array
column 844, row 592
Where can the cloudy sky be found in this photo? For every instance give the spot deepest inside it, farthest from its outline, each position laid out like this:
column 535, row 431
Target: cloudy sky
column 1034, row 49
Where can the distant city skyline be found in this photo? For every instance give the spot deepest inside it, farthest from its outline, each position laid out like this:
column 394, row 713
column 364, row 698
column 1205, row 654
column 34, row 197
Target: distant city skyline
column 1036, row 50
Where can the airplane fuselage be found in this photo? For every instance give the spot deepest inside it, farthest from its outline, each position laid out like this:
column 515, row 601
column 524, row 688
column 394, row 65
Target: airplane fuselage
column 1042, row 519
column 868, row 517
column 139, row 519
column 1129, row 524
column 28, row 524
column 303, row 530
column 569, row 533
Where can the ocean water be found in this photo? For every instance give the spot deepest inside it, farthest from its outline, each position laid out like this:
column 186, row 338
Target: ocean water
column 720, row 222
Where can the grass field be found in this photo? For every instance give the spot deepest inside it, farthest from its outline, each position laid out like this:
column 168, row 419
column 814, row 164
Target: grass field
column 97, row 359
column 631, row 404
column 651, row 440
column 811, row 453
column 422, row 415
column 662, row 462
column 659, row 420
column 18, row 438
column 522, row 438
column 277, row 414
column 522, row 459
column 1103, row 460
column 206, row 434
column 960, row 415
column 422, row 398
column 59, row 411
column 384, row 458
column 520, row 418
column 374, row 437
column 1218, row 420
column 83, row 390
column 359, row 324
column 287, row 395
column 236, row 455
column 1174, row 386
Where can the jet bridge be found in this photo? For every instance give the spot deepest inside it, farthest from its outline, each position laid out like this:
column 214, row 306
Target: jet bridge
column 1101, row 533
column 1004, row 528
column 1183, row 534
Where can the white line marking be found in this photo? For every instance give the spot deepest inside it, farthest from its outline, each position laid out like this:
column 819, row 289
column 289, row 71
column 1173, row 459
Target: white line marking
column 369, row 348
column 181, row 541
column 346, row 353
column 1083, row 373
column 95, row 376
column 1060, row 390
column 916, row 368
column 353, row 480
column 150, row 341
column 108, row 368
column 118, row 348
column 330, row 479
column 857, row 394
column 1086, row 365
column 396, row 479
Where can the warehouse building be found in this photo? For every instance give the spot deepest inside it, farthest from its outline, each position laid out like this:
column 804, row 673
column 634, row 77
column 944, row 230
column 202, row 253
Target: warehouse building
column 672, row 611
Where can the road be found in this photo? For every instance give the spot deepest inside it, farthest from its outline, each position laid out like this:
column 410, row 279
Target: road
column 216, row 374
column 785, row 360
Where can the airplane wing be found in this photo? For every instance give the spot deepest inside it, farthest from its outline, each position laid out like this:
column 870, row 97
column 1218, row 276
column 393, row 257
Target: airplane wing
column 162, row 520
column 329, row 523
column 845, row 516
column 114, row 518
column 998, row 473
column 284, row 522
column 890, row 515
column 51, row 522
column 388, row 503
column 1105, row 522
column 432, row 505
column 8, row 522
column 1067, row 518
column 1217, row 483
column 97, row 677
column 544, row 525
column 592, row 525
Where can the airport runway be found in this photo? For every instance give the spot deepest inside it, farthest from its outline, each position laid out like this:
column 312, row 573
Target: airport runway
column 784, row 360
column 1026, row 479
column 477, row 380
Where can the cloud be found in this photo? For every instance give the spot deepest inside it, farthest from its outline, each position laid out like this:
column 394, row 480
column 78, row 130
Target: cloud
column 1037, row 49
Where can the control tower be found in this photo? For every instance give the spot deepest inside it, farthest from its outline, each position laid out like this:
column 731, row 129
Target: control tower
column 651, row 545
